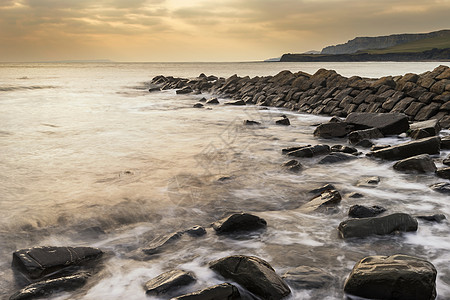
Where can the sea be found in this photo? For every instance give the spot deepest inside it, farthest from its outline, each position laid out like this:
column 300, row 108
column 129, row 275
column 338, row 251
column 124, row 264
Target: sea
column 88, row 157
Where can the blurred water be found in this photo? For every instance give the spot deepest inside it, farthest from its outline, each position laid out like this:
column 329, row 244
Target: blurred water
column 89, row 157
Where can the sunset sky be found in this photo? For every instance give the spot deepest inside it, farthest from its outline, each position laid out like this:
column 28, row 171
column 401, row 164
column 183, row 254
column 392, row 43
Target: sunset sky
column 200, row 30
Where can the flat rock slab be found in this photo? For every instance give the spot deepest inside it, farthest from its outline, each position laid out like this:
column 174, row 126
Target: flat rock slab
column 305, row 277
column 387, row 123
column 240, row 222
column 254, row 274
column 161, row 242
column 325, row 202
column 419, row 163
column 40, row 261
column 399, row 277
column 424, row 146
column 224, row 291
column 398, row 222
column 168, row 282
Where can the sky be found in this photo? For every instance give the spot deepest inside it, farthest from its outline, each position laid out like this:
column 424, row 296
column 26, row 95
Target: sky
column 200, row 30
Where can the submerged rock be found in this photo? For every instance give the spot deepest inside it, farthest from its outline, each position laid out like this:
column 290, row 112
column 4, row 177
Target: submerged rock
column 283, row 121
column 419, row 163
column 441, row 187
column 254, row 274
column 293, row 165
column 387, row 123
column 240, row 222
column 398, row 222
column 159, row 243
column 325, row 202
column 368, row 181
column 40, row 261
column 250, row 122
column 399, row 277
column 305, row 277
column 424, row 146
column 336, row 157
column 237, row 103
column 434, row 218
column 197, row 105
column 361, row 211
column 224, row 291
column 168, row 282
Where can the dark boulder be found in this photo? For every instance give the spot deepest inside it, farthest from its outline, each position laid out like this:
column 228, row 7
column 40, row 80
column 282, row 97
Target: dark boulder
column 438, row 218
column 443, row 173
column 364, row 144
column 424, row 146
column 367, row 134
column 40, row 261
column 239, row 222
column 344, row 149
column 310, row 151
column 361, row 211
column 441, row 187
column 185, row 90
column 283, row 121
column 212, row 101
column 250, row 122
column 254, row 274
column 237, row 102
column 168, row 282
column 197, row 105
column 424, row 129
column 325, row 202
column 332, row 130
column 51, row 286
column 398, row 222
column 305, row 277
column 293, row 166
column 336, row 157
column 387, row 123
column 419, row 163
column 445, row 142
column 224, row 291
column 399, row 277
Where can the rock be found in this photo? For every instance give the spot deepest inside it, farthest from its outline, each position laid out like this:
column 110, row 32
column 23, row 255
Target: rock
column 305, row 277
column 325, row 202
column 443, row 173
column 424, row 129
column 423, row 146
column 51, row 286
column 379, row 147
column 250, row 122
column 398, row 222
column 332, row 130
column 361, row 211
column 320, row 190
column 185, row 90
column 387, row 123
column 359, row 135
column 212, row 101
column 196, row 231
column 283, row 121
column 40, row 261
column 292, row 149
column 419, row 134
column 419, row 163
column 198, row 105
column 364, row 144
column 169, row 281
column 355, row 195
column 237, row 102
column 159, row 243
column 336, row 157
column 224, row 291
column 344, row 149
column 399, row 277
column 441, row 187
column 445, row 143
column 240, row 222
column 446, row 161
column 293, row 165
column 202, row 100
column 254, row 274
column 310, row 151
column 368, row 181
column 154, row 89
column 434, row 218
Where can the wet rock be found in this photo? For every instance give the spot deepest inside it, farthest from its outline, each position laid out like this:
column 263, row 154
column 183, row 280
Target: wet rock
column 387, row 123
column 359, row 135
column 361, row 211
column 446, row 161
column 292, row 149
column 398, row 222
column 240, row 222
column 368, row 181
column 419, row 163
column 224, row 291
column 236, row 103
column 40, row 261
column 304, row 277
column 197, row 105
column 250, row 122
column 320, row 190
column 325, row 202
column 168, row 282
column 443, row 173
column 310, row 151
column 424, row 129
column 184, row 90
column 254, row 274
column 196, row 231
column 344, row 149
column 332, row 130
column 399, row 277
column 202, row 100
column 355, row 195
column 336, row 157
column 379, row 147
column 154, row 89
column 293, row 166
column 441, row 187
column 438, row 218
column 212, row 101
column 364, row 144
column 51, row 286
column 283, row 121
column 159, row 243
column 423, row 146
column 445, row 143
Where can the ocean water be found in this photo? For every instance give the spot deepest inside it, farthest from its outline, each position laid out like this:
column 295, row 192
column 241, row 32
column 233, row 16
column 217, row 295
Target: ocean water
column 89, row 158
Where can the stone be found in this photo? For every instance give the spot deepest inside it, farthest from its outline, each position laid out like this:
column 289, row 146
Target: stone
column 332, row 130
column 445, row 142
column 336, row 157
column 432, row 127
column 239, row 222
column 305, row 277
column 40, row 261
column 198, row 105
column 364, row 144
column 250, row 122
column 441, row 187
column 427, row 112
column 361, row 211
column 184, row 90
column 292, row 149
column 399, row 277
column 325, row 202
column 254, row 274
column 159, row 243
column 379, row 147
column 311, row 151
column 196, row 230
column 387, row 123
column 398, row 222
column 419, row 163
column 212, row 101
column 283, row 121
column 224, row 291
column 355, row 195
column 423, row 146
column 344, row 149
column 168, row 282
column 293, row 166
column 320, row 190
column 154, row 89
column 236, row 103
column 50, row 287
column 446, row 161
column 438, row 218
column 368, row 181
column 443, row 173
column 359, row 135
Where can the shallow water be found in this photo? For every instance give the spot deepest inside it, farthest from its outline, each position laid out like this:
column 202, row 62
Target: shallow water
column 89, row 157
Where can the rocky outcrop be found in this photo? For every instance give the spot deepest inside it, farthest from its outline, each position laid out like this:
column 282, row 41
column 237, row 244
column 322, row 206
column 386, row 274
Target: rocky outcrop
column 169, row 282
column 399, row 277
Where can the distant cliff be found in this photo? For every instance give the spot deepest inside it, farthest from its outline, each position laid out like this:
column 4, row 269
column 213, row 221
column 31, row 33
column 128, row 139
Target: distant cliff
column 380, row 42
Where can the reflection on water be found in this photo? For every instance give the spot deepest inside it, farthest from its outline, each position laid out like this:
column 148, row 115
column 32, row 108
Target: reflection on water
column 98, row 161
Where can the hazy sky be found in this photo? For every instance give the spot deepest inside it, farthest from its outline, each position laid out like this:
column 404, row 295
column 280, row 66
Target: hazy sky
column 200, row 30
